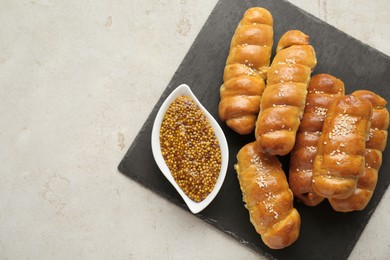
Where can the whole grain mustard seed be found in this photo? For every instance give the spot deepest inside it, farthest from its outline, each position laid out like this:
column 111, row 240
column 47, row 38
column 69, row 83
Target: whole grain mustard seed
column 190, row 148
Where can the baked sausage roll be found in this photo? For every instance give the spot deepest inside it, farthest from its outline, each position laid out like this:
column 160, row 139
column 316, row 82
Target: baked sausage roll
column 339, row 161
column 267, row 196
column 322, row 90
column 375, row 145
column 283, row 100
column 245, row 70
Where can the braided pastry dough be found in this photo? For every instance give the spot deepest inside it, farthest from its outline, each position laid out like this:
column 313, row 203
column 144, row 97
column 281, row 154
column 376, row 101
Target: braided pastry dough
column 267, row 196
column 322, row 90
column 340, row 151
column 245, row 70
column 375, row 145
column 283, row 100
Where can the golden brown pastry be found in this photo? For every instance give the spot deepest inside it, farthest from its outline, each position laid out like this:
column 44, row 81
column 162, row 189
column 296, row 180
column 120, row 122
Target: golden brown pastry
column 246, row 69
column 340, row 151
column 322, row 90
column 268, row 197
column 375, row 145
column 283, row 100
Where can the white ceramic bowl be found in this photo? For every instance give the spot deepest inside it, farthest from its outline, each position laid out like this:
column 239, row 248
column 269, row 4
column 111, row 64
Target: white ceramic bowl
column 195, row 207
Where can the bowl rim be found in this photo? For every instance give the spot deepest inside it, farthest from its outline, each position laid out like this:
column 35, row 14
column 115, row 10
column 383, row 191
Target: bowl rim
column 195, row 207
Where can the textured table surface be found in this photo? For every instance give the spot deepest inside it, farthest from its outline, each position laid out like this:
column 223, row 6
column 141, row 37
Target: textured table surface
column 77, row 81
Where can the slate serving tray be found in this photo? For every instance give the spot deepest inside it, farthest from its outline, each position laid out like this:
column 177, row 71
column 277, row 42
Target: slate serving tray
column 325, row 234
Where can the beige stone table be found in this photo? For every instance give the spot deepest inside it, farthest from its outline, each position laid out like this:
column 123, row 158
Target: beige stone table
column 77, row 81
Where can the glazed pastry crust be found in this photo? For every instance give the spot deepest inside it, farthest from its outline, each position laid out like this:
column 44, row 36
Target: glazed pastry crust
column 283, row 100
column 341, row 148
column 267, row 197
column 322, row 90
column 245, row 70
column 375, row 145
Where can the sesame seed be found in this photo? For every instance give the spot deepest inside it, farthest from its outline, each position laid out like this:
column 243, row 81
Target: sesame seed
column 270, row 195
column 344, row 125
column 262, row 182
column 290, row 61
column 320, row 111
column 311, row 148
column 370, row 134
column 258, row 164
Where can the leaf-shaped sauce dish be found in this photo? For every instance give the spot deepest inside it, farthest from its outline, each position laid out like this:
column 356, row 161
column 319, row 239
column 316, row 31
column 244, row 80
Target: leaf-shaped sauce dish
column 190, row 148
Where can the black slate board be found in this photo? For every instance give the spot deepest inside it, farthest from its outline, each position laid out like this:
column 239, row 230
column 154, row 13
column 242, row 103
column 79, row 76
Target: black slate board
column 325, row 234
